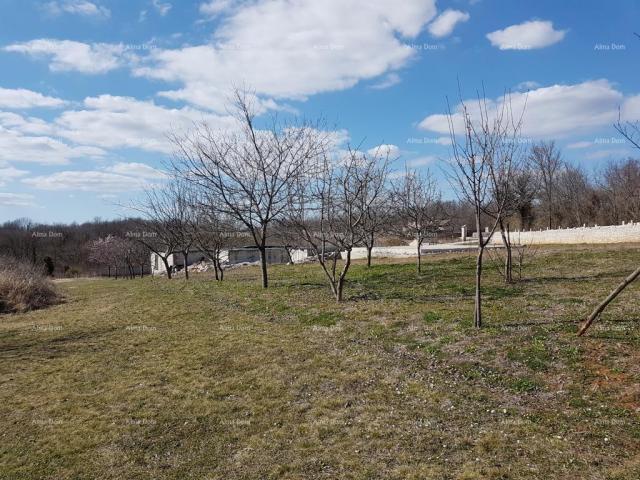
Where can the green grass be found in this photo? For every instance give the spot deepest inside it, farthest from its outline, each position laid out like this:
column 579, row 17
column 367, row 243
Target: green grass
column 157, row 379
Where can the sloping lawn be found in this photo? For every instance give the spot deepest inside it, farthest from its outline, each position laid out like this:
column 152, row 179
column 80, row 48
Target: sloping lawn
column 155, row 379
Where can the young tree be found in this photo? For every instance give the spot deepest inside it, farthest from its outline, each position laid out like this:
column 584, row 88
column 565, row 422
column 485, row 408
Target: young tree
column 376, row 198
column 482, row 170
column 250, row 169
column 328, row 206
column 212, row 232
column 164, row 227
column 417, row 208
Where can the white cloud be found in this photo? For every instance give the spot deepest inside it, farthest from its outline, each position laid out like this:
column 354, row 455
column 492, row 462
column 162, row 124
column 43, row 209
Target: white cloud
column 139, row 170
column 161, row 8
column 16, row 200
column 444, row 24
column 216, row 7
column 389, row 80
column 21, row 98
column 385, row 149
column 86, row 181
column 321, row 49
column 121, row 177
column 25, row 125
column 9, row 174
column 77, row 7
column 555, row 111
column 67, row 55
column 526, row 36
column 527, row 85
column 121, row 122
column 16, row 147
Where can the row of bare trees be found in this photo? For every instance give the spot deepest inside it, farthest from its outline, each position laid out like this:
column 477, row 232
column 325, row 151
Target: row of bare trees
column 288, row 180
column 121, row 256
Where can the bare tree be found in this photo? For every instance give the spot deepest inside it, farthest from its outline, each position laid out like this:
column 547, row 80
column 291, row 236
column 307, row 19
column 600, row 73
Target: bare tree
column 525, row 190
column 376, row 198
column 105, row 251
column 483, row 168
column 212, row 232
column 417, row 208
column 166, row 220
column 546, row 159
column 328, row 206
column 249, row 170
column 620, row 184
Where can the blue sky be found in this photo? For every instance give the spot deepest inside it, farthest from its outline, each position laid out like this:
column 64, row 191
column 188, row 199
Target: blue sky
column 89, row 88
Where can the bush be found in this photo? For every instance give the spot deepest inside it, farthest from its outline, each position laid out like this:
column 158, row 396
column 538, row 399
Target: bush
column 23, row 286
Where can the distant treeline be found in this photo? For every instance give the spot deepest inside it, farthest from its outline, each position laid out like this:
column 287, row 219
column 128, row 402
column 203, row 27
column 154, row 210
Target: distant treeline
column 552, row 194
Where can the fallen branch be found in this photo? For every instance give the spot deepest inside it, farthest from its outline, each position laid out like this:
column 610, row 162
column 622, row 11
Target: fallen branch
column 596, row 313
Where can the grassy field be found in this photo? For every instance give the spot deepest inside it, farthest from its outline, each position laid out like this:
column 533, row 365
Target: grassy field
column 155, row 379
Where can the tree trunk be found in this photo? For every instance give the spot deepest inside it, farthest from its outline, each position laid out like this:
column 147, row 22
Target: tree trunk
column 508, row 263
column 109, row 274
column 185, row 255
column 369, row 255
column 215, row 268
column 477, row 313
column 167, row 268
column 263, row 266
column 419, row 258
column 343, row 275
column 596, row 313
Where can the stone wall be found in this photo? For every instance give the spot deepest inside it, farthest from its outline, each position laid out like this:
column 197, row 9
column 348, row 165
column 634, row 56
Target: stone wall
column 629, row 232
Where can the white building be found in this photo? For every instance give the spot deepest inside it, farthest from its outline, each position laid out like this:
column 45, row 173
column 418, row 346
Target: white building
column 232, row 256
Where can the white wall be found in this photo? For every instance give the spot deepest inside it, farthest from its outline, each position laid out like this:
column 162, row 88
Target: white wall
column 589, row 235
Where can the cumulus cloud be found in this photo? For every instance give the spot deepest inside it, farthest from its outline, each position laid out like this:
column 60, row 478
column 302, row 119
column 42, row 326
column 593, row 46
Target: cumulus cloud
column 85, row 181
column 216, row 7
column 20, row 98
column 318, row 51
column 388, row 81
column 122, row 122
column 121, row 177
column 554, row 111
column 67, row 55
column 444, row 24
column 16, row 147
column 9, row 174
column 135, row 169
column 385, row 149
column 526, row 36
column 77, row 7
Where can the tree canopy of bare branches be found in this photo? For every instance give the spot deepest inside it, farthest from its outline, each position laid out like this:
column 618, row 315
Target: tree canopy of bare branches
column 328, row 208
column 483, row 167
column 417, row 208
column 249, row 170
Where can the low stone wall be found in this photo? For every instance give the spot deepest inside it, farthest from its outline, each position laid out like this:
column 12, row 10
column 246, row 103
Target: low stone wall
column 384, row 252
column 629, row 232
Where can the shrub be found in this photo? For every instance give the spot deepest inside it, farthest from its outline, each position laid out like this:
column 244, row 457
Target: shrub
column 23, row 286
